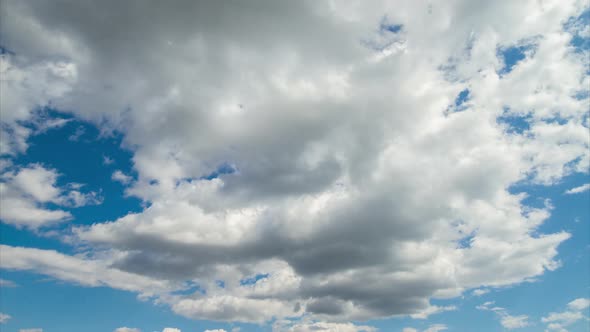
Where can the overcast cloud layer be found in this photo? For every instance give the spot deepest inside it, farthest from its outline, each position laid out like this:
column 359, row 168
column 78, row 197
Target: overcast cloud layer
column 314, row 145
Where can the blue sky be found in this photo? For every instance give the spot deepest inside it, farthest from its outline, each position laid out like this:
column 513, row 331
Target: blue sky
column 336, row 169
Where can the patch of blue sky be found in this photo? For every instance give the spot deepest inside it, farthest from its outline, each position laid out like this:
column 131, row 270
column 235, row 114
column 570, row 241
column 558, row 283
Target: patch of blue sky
column 223, row 169
column 465, row 242
column 579, row 28
column 4, row 50
column 515, row 123
column 192, row 289
column 460, row 102
column 513, row 54
column 393, row 28
column 78, row 150
column 253, row 280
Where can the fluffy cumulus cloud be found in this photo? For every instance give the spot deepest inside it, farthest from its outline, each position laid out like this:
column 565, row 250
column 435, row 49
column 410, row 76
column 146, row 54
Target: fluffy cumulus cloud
column 27, row 191
column 170, row 329
column 303, row 159
column 559, row 321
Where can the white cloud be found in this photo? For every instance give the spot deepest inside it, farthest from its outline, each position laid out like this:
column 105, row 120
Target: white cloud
column 514, row 322
column 432, row 310
column 309, row 326
column 86, row 272
column 170, row 329
column 508, row 321
column 334, row 149
column 121, row 177
column 579, row 189
column 25, row 193
column 4, row 318
column 431, row 328
column 106, row 160
column 480, row 292
column 31, row 330
column 7, row 283
column 565, row 318
column 216, row 330
column 558, row 321
column 127, row 329
column 579, row 304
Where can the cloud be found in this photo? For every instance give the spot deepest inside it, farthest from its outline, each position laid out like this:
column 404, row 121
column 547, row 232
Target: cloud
column 85, row 272
column 579, row 304
column 170, row 329
column 432, row 310
column 508, row 321
column 216, row 330
column 431, row 328
column 106, row 160
column 121, row 177
column 436, row 328
column 7, row 283
column 558, row 321
column 27, row 190
column 578, row 190
column 480, row 292
column 352, row 187
column 4, row 318
column 127, row 329
column 31, row 330
column 514, row 322
column 308, row 326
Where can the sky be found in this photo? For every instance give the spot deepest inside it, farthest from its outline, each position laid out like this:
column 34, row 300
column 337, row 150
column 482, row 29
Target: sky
column 294, row 166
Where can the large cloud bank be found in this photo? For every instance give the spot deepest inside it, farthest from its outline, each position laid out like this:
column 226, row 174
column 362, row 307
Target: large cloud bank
column 305, row 158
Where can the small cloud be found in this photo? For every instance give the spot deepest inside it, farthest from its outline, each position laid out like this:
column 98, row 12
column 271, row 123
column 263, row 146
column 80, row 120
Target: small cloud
column 514, row 322
column 216, row 330
column 43, row 125
column 170, row 329
column 436, row 328
column 433, row 309
column 578, row 190
column 121, row 177
column 31, row 330
column 579, row 304
column 508, row 321
column 127, row 329
column 480, row 292
column 77, row 134
column 431, row 328
column 7, row 283
column 106, row 160
column 4, row 318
